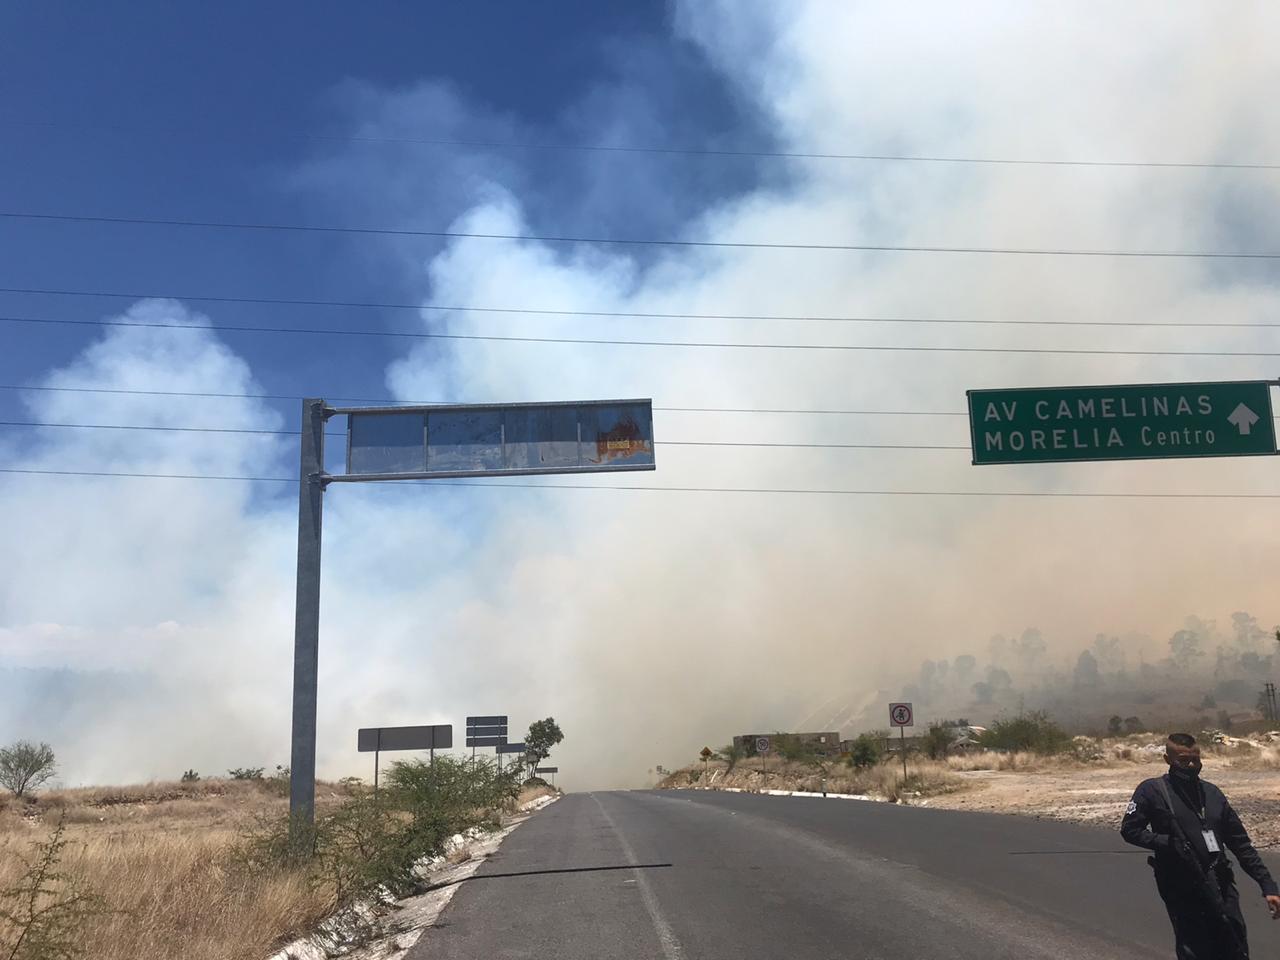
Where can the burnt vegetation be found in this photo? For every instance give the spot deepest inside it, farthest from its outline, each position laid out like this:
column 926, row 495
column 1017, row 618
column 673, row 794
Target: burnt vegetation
column 1206, row 674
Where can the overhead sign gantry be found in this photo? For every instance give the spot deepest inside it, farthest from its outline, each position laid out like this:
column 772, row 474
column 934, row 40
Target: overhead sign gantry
column 428, row 443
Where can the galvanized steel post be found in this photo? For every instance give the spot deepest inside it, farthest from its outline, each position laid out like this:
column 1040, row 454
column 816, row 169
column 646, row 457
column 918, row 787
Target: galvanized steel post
column 306, row 630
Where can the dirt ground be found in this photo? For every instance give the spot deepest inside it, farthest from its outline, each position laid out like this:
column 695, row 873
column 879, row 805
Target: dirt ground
column 1099, row 794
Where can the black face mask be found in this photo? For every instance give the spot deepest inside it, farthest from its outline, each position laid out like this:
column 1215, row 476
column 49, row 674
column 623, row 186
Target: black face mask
column 1186, row 774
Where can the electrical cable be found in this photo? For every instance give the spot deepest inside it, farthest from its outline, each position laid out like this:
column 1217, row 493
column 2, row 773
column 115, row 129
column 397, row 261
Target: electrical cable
column 275, row 132
column 1036, row 494
column 660, row 443
column 689, row 344
column 630, row 315
column 640, row 241
column 393, row 400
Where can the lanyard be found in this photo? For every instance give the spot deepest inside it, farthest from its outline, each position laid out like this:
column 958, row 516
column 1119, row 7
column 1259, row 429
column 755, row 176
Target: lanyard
column 1200, row 810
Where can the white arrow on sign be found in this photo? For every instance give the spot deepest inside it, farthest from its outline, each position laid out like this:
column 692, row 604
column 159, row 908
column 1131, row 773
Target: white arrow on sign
column 1243, row 419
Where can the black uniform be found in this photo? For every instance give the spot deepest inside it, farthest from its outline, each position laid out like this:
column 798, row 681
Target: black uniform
column 1198, row 806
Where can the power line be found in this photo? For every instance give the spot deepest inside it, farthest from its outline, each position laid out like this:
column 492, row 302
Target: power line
column 642, row 241
column 394, row 400
column 667, row 489
column 692, row 344
column 630, row 315
column 276, row 133
column 660, row 443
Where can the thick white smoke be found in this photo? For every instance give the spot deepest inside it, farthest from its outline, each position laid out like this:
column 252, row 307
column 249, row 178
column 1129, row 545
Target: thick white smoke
column 652, row 623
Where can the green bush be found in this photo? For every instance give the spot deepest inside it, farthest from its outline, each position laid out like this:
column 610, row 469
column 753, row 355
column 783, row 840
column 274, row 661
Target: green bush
column 191, row 776
column 374, row 842
column 246, row 773
column 1034, row 732
column 867, row 750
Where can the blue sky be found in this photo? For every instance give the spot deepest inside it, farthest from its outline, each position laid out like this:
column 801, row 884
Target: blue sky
column 205, row 113
column 626, row 614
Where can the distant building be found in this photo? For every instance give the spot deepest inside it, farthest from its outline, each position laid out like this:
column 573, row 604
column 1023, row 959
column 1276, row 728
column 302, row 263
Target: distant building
column 826, row 743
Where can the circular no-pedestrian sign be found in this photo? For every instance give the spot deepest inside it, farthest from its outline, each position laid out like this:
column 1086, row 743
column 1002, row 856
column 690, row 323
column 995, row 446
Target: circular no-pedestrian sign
column 762, row 744
column 900, row 715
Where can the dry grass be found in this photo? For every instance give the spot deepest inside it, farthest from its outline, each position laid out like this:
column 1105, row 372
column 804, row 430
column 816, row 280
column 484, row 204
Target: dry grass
column 1025, row 761
column 529, row 794
column 1261, row 758
column 924, row 778
column 160, row 856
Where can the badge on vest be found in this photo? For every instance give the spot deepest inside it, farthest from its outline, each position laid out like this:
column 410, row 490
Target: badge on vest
column 1211, row 841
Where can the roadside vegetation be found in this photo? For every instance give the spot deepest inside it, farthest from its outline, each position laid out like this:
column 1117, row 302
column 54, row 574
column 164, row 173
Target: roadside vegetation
column 202, row 868
column 1031, row 743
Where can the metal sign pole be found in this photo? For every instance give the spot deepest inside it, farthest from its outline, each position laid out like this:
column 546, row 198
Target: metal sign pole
column 902, row 734
column 306, row 635
column 376, row 754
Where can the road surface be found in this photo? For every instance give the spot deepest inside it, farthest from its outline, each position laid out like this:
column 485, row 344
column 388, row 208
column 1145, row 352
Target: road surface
column 692, row 875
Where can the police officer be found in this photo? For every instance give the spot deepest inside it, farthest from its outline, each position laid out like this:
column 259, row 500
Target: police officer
column 1188, row 824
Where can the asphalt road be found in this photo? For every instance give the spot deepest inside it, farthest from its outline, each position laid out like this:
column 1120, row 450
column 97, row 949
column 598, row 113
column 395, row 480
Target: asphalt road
column 705, row 875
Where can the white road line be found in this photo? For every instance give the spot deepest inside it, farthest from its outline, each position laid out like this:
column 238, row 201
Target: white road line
column 671, row 948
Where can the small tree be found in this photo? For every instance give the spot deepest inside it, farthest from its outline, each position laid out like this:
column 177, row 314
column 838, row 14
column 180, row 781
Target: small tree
column 1115, row 725
column 938, row 740
column 191, row 776
column 25, row 766
column 542, row 736
column 732, row 753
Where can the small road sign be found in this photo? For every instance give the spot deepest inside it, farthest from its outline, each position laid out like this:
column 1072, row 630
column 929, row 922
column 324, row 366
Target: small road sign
column 486, row 741
column 762, row 744
column 1145, row 421
column 375, row 739
column 547, row 770
column 486, row 721
column 511, row 748
column 901, row 715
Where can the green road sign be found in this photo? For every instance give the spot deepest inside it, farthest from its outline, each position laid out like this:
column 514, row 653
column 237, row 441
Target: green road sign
column 1131, row 422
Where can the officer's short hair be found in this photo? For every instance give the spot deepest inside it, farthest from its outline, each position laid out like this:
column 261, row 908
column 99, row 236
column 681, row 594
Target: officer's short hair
column 1182, row 739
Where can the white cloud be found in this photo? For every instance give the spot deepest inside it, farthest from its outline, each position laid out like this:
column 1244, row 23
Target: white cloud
column 651, row 623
